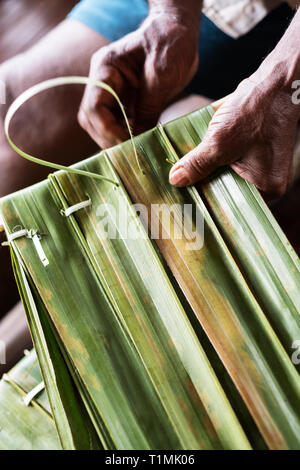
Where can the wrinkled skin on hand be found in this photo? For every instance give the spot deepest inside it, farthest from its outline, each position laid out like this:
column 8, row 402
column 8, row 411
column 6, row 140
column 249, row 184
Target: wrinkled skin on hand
column 147, row 69
column 253, row 131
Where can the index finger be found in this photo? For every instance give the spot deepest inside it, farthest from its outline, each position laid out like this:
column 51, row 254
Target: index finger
column 99, row 108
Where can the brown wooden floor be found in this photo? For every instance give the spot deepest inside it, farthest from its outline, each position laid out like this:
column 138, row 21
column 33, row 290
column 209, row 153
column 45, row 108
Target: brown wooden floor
column 23, row 22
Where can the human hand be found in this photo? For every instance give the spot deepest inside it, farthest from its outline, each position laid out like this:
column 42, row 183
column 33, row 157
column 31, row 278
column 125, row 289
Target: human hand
column 147, row 69
column 253, row 130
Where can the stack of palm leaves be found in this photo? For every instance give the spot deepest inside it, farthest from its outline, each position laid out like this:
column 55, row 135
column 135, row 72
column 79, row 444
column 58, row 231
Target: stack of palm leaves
column 26, row 419
column 146, row 343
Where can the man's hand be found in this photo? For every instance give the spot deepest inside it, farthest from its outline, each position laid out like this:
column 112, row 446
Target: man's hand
column 254, row 129
column 146, row 68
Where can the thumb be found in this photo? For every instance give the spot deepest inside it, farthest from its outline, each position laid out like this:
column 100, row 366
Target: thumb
column 201, row 161
column 196, row 165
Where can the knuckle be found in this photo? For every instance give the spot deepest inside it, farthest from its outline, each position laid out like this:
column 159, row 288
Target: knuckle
column 98, row 56
column 90, row 101
column 207, row 157
column 196, row 163
column 104, row 56
column 90, row 104
column 82, row 119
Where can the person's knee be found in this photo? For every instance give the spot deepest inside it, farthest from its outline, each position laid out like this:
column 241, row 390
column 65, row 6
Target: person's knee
column 8, row 85
column 3, row 95
column 2, row 91
column 12, row 166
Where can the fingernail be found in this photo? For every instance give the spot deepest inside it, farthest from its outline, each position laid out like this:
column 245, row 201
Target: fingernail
column 179, row 176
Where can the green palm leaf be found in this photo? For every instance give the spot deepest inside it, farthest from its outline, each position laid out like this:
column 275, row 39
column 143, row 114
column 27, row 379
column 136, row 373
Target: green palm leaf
column 260, row 248
column 107, row 315
column 217, row 292
column 25, row 427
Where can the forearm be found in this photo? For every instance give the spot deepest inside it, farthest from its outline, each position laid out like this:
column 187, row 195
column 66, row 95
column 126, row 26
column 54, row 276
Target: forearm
column 254, row 129
column 282, row 67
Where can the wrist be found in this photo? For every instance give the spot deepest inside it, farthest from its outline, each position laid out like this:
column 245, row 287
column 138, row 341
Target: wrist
column 186, row 13
column 282, row 66
column 280, row 69
column 273, row 82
